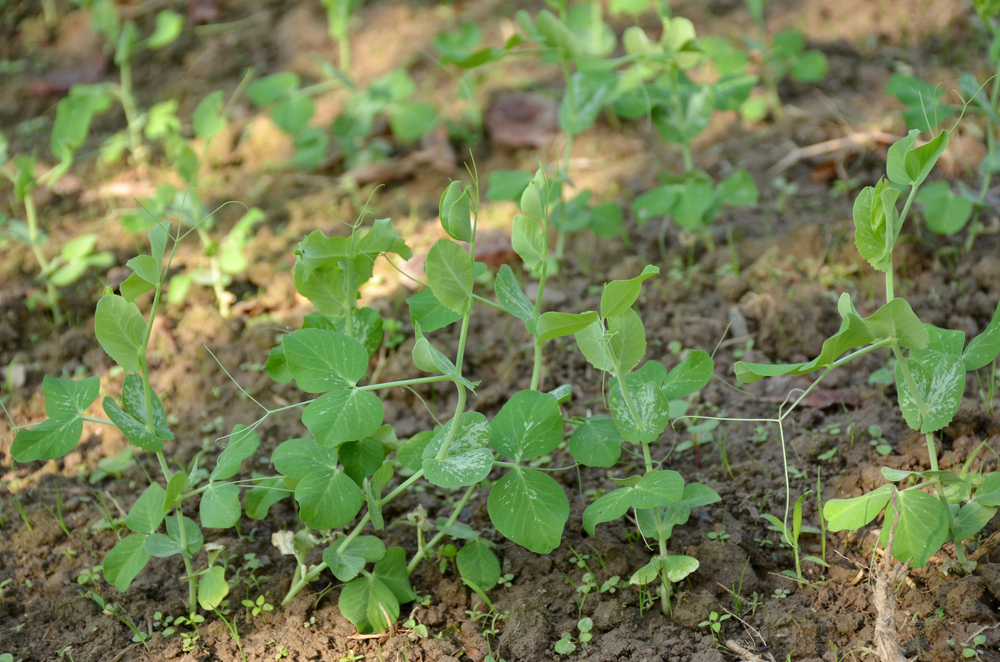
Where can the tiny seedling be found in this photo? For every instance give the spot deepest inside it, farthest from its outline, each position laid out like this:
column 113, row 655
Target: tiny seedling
column 567, row 644
column 714, row 624
column 790, row 537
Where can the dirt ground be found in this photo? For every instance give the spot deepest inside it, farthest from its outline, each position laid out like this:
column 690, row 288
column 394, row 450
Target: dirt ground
column 774, row 278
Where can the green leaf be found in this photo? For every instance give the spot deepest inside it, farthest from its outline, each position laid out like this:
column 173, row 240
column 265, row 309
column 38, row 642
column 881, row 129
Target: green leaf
column 297, row 458
column 411, row 453
column 696, row 494
column 270, row 88
column 535, row 199
column 922, row 528
column 121, row 329
column 391, row 571
column 212, row 588
column 134, row 404
column 658, row 488
column 669, row 516
column 324, row 360
column 449, row 273
column 361, row 459
column 381, row 238
column 507, row 184
column 587, row 94
column 468, row 460
column 908, row 164
column 428, row 312
column 971, row 519
column 608, row 508
column 207, row 119
column 691, row 375
column 852, row 333
column 267, row 491
column 528, row 240
column 647, row 573
column 925, row 106
column 344, row 567
column 678, row 566
column 168, row 27
column 70, row 128
column 162, row 546
column 126, row 560
column 810, row 67
column 412, row 120
column 340, row 416
column 945, row 212
column 135, row 431
column 65, row 401
column 243, row 443
column 370, row 548
column 944, row 341
column 619, row 295
column 876, row 224
column 556, row 35
column 530, row 509
column 852, row 514
column 510, row 295
column 940, row 380
column 192, row 533
column 478, row 564
column 556, row 325
column 176, row 487
column 327, row 499
column 651, row 413
column 988, row 493
column 682, row 122
column 146, row 513
column 984, row 348
column 529, row 425
column 596, row 443
column 367, row 602
column 220, row 505
column 455, row 212
column 738, row 189
column 293, row 113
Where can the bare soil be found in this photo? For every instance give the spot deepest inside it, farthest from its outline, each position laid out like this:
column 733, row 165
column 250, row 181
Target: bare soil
column 774, row 278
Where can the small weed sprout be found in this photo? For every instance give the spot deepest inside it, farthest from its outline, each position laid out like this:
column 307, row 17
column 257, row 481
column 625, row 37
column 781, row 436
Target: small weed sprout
column 714, row 624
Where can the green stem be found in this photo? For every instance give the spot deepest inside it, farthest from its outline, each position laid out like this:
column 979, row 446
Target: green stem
column 51, row 294
column 422, row 552
column 96, row 420
column 405, row 382
column 128, row 105
column 536, row 372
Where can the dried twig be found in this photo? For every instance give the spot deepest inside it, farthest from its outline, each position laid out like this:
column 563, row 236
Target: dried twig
column 743, row 653
column 985, row 547
column 853, row 142
column 886, row 639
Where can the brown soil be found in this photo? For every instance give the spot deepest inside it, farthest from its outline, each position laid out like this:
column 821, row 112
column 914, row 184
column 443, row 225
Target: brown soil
column 794, row 256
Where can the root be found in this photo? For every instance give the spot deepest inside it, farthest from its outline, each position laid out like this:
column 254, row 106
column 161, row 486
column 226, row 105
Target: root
column 886, row 639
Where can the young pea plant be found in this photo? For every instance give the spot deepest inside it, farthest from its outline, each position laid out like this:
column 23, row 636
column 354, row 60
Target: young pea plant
column 75, row 256
column 790, row 537
column 930, row 371
column 784, row 55
column 124, row 334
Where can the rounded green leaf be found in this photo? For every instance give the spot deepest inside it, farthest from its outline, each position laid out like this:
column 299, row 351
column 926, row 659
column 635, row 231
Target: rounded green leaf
column 529, row 425
column 940, row 379
column 669, row 516
column 134, row 404
column 647, row 417
column 212, row 588
column 126, row 560
column 327, row 499
column 220, row 506
column 608, row 508
column 207, row 119
column 851, row 514
column 391, row 571
column 120, row 329
column 945, row 212
column 322, row 360
column 370, row 548
column 596, row 443
column 297, row 458
column 49, row 440
column 193, row 537
column 529, row 508
column 168, row 27
column 292, row 113
column 692, row 374
column 361, row 458
column 135, row 431
column 269, row 88
column 555, row 325
column 619, row 295
column 678, row 566
column 243, row 443
column 366, row 602
column 528, row 240
column 449, row 273
column 146, row 513
column 658, row 488
column 340, row 416
column 459, row 469
column 478, row 565
column 923, row 527
column 266, row 492
column 162, row 546
column 344, row 567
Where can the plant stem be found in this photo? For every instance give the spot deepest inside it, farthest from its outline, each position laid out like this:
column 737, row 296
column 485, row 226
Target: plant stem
column 405, row 382
column 422, row 552
column 51, row 295
column 536, row 372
